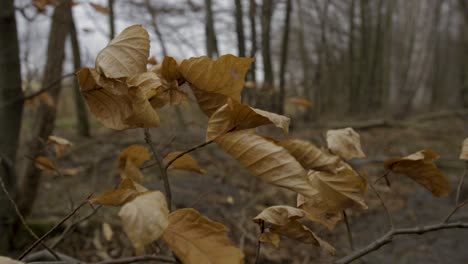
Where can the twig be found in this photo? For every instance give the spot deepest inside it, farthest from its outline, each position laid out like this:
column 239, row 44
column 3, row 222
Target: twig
column 43, row 256
column 454, row 211
column 389, row 236
column 385, row 176
column 165, row 178
column 259, row 244
column 460, row 184
column 186, row 152
column 4, row 161
column 53, row 229
column 348, row 230
column 137, row 259
column 387, row 212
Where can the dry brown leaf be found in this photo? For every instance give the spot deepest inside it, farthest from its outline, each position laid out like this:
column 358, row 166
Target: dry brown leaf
column 186, row 162
column 99, row 8
column 345, row 143
column 114, row 104
column 148, row 82
column 126, row 54
column 130, row 161
column 225, row 76
column 420, row 167
column 60, row 145
column 299, row 101
column 282, row 220
column 310, row 156
column 266, row 160
column 240, row 116
column 45, row 164
column 336, row 192
column 145, row 218
column 209, row 102
column 464, row 150
column 152, row 61
column 127, row 191
column 107, row 231
column 270, row 237
column 6, row 260
column 170, row 69
column 196, row 239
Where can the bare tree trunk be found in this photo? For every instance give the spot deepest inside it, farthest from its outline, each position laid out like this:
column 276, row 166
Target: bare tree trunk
column 82, row 115
column 240, row 28
column 211, row 41
column 284, row 58
column 253, row 36
column 268, row 80
column 153, row 13
column 10, row 117
column 464, row 65
column 305, row 59
column 45, row 115
column 110, row 5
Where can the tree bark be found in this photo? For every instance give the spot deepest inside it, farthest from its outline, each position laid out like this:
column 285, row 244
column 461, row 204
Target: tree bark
column 82, row 114
column 253, row 36
column 45, row 115
column 284, row 58
column 268, row 80
column 240, row 28
column 10, row 116
column 110, row 5
column 211, row 41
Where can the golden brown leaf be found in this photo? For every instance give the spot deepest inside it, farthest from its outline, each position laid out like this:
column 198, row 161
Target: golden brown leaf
column 127, row 191
column 420, row 167
column 148, row 82
column 60, row 145
column 186, row 162
column 196, row 239
column 145, row 218
column 464, row 150
column 282, row 220
column 240, row 116
column 270, row 237
column 336, row 192
column 99, row 8
column 45, row 164
column 130, row 161
column 114, row 104
column 299, row 101
column 209, row 102
column 152, row 60
column 345, row 143
column 266, row 160
column 310, row 156
column 170, row 69
column 126, row 54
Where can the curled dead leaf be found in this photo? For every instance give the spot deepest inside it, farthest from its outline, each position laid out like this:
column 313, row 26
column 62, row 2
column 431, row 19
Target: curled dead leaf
column 60, row 145
column 130, row 161
column 145, row 218
column 196, row 239
column 186, row 162
column 420, row 167
column 45, row 164
column 345, row 143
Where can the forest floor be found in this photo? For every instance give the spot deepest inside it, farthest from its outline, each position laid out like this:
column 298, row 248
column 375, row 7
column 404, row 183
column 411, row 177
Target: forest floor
column 228, row 194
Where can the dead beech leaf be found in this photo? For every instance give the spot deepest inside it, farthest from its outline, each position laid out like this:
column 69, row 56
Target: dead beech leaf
column 345, row 143
column 209, row 102
column 144, row 219
column 225, row 76
column 420, row 167
column 196, row 239
column 130, row 161
column 60, row 145
column 127, row 191
column 126, row 54
column 266, row 160
column 186, row 162
column 152, row 61
column 107, row 231
column 170, row 69
column 114, row 104
column 240, row 116
column 335, row 192
column 464, row 150
column 282, row 220
column 310, row 156
column 299, row 101
column 6, row 260
column 270, row 237
column 99, row 8
column 148, row 82
column 45, row 164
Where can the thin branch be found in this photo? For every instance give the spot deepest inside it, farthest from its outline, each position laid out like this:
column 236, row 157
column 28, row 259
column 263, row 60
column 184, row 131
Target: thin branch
column 454, row 211
column 460, row 184
column 348, row 230
column 390, row 235
column 385, row 176
column 165, row 178
column 18, row 213
column 387, row 212
column 186, row 152
column 25, row 253
column 259, row 244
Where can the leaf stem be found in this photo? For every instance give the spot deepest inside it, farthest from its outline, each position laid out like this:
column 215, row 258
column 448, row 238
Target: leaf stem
column 348, row 230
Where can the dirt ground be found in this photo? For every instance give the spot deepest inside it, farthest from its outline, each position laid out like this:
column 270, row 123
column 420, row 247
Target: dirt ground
column 228, row 194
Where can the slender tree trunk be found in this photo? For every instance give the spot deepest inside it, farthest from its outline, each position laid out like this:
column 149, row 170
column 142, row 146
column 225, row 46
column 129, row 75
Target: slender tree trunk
column 284, row 58
column 253, row 36
column 211, row 41
column 268, row 82
column 463, row 4
column 82, row 115
column 45, row 115
column 305, row 60
column 153, row 13
column 110, row 4
column 240, row 27
column 10, row 116
column 354, row 89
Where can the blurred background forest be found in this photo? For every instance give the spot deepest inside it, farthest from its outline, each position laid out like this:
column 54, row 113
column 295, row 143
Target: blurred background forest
column 396, row 69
